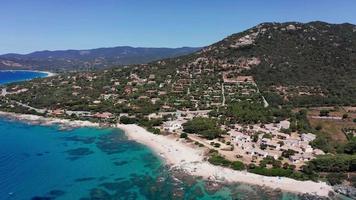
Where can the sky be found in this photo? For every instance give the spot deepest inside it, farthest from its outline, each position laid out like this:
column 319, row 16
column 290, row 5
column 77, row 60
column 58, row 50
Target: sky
column 33, row 25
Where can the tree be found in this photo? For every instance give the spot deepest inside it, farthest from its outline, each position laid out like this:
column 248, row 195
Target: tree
column 324, row 113
column 350, row 147
column 345, row 116
column 237, row 165
column 184, row 135
column 288, row 153
column 335, row 178
column 207, row 127
column 128, row 120
column 249, row 112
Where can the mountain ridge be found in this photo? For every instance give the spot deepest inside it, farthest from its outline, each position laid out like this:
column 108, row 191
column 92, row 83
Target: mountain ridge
column 89, row 58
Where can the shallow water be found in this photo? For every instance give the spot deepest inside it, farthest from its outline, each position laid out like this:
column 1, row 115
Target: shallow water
column 38, row 162
column 7, row 76
column 47, row 163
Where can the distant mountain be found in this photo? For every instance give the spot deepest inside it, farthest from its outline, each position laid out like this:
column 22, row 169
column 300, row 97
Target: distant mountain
column 299, row 64
column 89, row 59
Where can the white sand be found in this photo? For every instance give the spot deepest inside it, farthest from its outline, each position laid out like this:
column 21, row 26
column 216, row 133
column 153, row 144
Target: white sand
column 49, row 121
column 180, row 155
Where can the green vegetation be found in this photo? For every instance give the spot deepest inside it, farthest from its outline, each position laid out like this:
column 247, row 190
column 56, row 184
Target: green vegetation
column 183, row 135
column 324, row 113
column 128, row 120
column 217, row 159
column 333, row 163
column 155, row 131
column 249, row 113
column 206, row 127
column 304, row 61
column 272, row 172
column 309, row 66
column 237, row 165
column 271, row 167
column 335, row 178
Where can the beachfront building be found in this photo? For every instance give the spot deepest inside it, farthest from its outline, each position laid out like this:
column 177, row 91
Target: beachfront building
column 172, row 126
column 259, row 141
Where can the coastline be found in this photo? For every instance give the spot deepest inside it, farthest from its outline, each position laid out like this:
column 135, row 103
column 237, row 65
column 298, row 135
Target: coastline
column 45, row 121
column 179, row 155
column 48, row 74
column 191, row 160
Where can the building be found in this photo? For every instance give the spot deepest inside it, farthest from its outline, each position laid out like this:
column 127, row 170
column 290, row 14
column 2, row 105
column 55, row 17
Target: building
column 172, row 126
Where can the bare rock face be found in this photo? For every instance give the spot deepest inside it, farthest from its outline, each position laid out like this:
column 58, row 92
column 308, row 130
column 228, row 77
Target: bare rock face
column 346, row 190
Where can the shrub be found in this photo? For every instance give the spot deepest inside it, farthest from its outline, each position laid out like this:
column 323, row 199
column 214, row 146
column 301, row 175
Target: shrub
column 335, row 178
column 184, row 135
column 128, row 120
column 272, row 172
column 324, row 113
column 318, row 127
column 217, row 145
column 206, row 127
column 216, row 159
column 237, row 165
column 154, row 130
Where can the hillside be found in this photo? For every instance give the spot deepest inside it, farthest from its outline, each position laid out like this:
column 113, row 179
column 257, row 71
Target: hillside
column 243, row 87
column 300, row 64
column 288, row 63
column 89, row 59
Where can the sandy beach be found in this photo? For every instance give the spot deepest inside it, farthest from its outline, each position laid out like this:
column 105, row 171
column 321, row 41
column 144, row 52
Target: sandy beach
column 180, row 155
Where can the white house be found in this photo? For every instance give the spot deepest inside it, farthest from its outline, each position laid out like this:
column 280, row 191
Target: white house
column 172, row 126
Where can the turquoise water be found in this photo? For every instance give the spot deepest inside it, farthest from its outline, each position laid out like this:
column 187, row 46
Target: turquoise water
column 38, row 162
column 7, row 76
column 43, row 163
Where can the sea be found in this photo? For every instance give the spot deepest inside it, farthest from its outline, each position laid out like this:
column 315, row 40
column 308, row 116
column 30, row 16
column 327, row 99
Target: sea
column 47, row 163
column 9, row 76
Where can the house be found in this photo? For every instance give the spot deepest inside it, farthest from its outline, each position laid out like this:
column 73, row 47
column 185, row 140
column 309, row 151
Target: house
column 307, row 137
column 172, row 126
column 300, row 158
column 105, row 115
column 239, row 137
column 57, row 112
column 257, row 152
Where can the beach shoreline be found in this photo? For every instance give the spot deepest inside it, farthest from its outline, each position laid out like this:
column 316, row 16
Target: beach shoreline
column 46, row 121
column 48, row 73
column 179, row 155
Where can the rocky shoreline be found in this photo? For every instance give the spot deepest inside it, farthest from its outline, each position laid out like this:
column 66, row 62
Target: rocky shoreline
column 187, row 161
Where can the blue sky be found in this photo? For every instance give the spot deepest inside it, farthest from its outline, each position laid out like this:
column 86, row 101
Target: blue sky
column 30, row 25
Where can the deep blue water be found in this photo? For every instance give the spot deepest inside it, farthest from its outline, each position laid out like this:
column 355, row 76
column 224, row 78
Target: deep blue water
column 14, row 76
column 38, row 162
